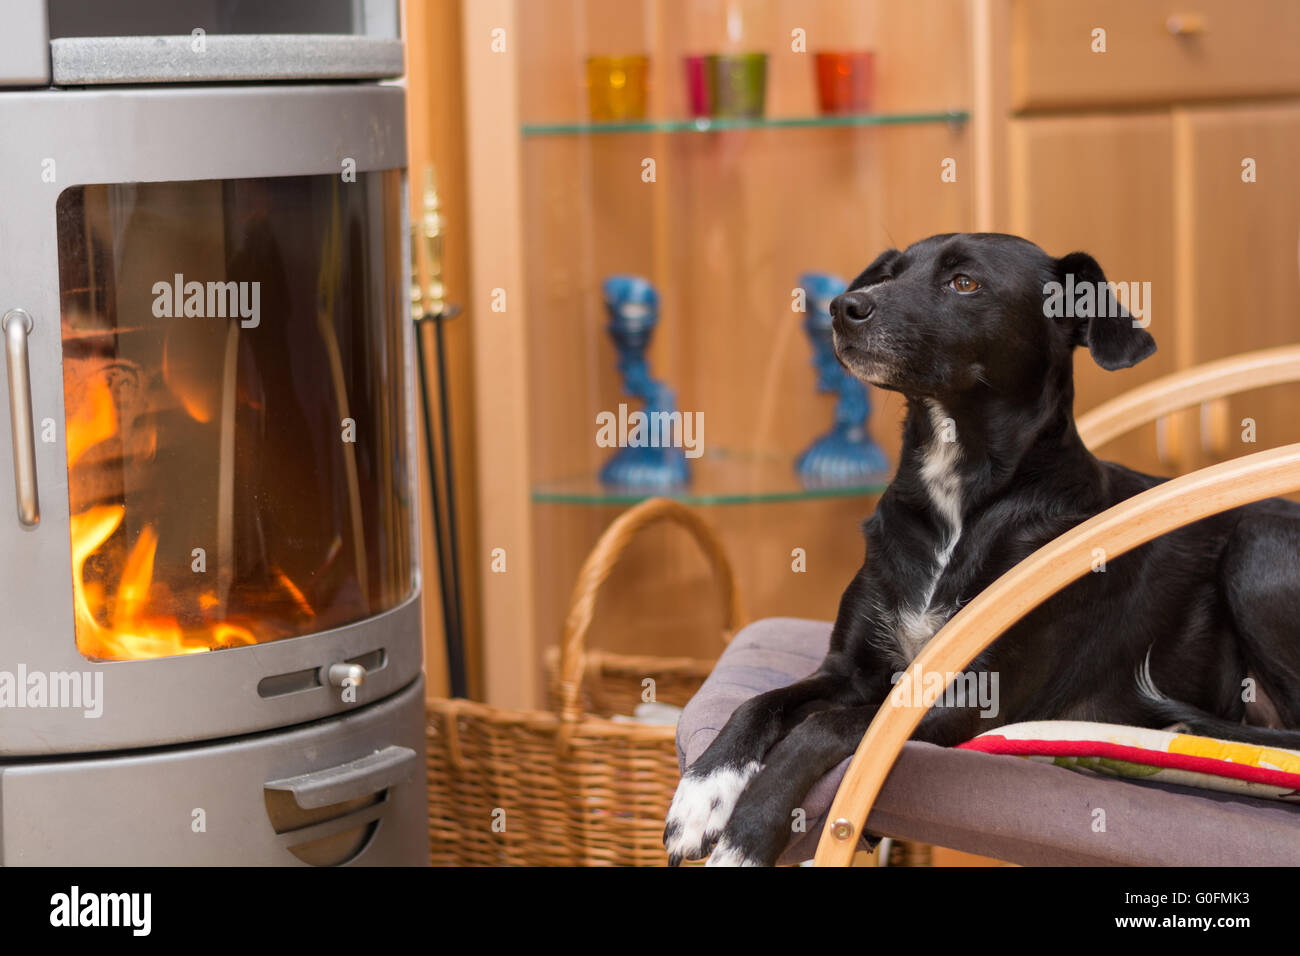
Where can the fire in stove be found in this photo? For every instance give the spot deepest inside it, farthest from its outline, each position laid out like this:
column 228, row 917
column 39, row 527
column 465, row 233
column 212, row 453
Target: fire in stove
column 229, row 483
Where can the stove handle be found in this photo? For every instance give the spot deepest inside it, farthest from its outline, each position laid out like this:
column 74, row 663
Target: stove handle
column 358, row 778
column 17, row 325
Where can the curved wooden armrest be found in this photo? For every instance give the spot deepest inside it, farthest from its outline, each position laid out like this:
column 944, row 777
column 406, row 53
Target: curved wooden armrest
column 1127, row 525
column 1186, row 388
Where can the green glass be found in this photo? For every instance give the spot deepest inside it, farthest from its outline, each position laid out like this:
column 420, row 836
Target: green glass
column 739, row 84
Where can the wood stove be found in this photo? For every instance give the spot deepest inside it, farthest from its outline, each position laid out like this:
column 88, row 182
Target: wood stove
column 209, row 595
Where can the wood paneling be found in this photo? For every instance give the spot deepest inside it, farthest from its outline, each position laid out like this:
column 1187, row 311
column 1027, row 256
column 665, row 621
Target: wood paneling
column 942, row 856
column 436, row 134
column 990, row 45
column 1241, row 280
column 724, row 232
column 1230, row 49
column 1101, row 184
column 499, row 338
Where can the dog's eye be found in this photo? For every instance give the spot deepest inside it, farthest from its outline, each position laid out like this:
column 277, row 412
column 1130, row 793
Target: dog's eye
column 963, row 284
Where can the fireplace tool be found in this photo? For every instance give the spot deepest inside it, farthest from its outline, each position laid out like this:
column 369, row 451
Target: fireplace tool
column 430, row 309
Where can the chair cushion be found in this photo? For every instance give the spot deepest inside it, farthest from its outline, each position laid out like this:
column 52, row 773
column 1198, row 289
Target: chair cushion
column 997, row 805
column 1270, row 773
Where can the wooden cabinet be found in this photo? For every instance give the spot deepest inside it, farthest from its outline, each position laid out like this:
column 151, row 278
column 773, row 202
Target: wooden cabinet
column 1201, row 201
column 1113, row 52
column 1085, row 183
column 1238, row 236
column 723, row 223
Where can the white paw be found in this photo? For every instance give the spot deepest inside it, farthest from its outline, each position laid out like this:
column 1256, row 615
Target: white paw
column 725, row 854
column 700, row 809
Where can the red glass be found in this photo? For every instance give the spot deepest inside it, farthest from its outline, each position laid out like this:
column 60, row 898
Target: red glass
column 845, row 81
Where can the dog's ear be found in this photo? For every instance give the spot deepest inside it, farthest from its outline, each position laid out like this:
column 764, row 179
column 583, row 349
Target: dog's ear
column 877, row 271
column 1108, row 329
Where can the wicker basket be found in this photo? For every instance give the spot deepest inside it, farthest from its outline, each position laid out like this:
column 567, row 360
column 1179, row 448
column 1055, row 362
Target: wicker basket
column 570, row 787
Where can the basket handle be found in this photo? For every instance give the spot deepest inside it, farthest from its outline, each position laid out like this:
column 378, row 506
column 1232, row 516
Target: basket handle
column 600, row 562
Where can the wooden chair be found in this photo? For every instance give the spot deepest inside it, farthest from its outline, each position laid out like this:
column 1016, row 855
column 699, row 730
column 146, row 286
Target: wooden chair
column 1129, row 524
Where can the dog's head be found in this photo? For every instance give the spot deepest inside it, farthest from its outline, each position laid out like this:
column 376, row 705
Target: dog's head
column 956, row 313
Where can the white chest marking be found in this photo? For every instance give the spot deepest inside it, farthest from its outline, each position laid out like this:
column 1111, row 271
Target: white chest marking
column 918, row 623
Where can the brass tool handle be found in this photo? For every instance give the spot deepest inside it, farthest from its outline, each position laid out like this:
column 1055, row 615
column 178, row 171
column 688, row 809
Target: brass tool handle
column 17, row 325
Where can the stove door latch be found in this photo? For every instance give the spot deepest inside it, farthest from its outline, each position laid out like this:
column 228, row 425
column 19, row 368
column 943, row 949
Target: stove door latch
column 346, row 675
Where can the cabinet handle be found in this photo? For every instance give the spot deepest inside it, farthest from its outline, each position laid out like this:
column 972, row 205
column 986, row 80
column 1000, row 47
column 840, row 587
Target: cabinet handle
column 1186, row 24
column 17, row 325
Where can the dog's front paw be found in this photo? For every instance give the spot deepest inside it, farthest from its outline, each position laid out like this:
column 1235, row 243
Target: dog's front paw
column 727, row 853
column 700, row 809
column 753, row 836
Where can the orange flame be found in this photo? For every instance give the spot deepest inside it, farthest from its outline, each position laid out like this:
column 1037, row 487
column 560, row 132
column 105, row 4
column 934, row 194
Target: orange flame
column 292, row 590
column 137, row 574
column 95, row 420
column 120, row 614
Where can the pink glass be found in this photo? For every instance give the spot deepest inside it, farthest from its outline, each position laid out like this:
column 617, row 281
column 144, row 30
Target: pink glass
column 699, row 85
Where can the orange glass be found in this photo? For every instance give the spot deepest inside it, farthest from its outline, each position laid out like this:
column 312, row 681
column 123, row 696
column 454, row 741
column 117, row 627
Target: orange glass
column 845, row 81
column 617, row 87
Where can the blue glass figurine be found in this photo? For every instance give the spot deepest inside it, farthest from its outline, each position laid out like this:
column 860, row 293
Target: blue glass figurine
column 845, row 454
column 633, row 307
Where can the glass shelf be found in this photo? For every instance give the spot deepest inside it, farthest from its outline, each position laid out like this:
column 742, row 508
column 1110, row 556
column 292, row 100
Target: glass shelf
column 717, row 479
column 719, row 124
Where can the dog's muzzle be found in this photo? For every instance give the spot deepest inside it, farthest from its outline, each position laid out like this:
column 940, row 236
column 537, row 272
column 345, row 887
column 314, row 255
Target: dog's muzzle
column 851, row 310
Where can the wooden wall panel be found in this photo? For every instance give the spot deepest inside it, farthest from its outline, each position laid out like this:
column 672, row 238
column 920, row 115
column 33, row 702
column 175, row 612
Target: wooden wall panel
column 499, row 348
column 1102, row 184
column 730, row 222
column 1241, row 282
column 1232, row 49
column 436, row 134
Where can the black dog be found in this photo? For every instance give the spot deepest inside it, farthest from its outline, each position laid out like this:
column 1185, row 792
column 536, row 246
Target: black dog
column 991, row 469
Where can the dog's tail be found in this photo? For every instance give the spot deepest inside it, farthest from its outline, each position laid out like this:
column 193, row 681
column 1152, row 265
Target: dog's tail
column 1207, row 725
column 1163, row 711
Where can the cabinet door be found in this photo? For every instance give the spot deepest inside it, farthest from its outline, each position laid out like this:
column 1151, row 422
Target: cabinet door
column 1156, row 52
column 1101, row 185
column 1239, row 282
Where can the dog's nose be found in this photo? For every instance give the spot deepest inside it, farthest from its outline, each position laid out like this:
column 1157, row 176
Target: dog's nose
column 853, row 307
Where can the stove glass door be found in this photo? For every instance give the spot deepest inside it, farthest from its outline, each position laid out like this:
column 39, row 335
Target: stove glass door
column 234, row 383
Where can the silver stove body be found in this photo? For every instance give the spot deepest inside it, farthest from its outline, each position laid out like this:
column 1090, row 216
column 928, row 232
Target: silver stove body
column 247, row 755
